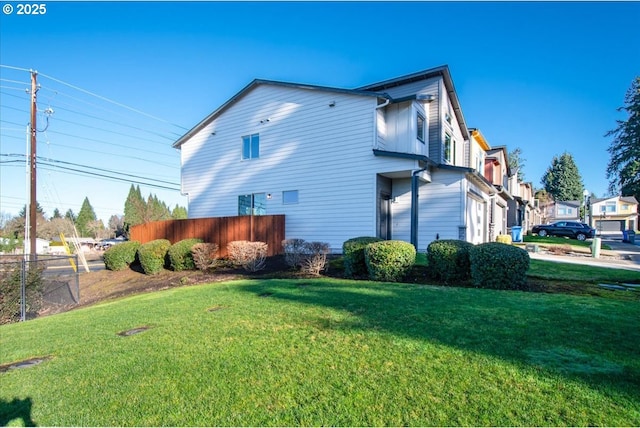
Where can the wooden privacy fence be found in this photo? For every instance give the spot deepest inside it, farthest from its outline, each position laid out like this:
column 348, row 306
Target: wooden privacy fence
column 217, row 230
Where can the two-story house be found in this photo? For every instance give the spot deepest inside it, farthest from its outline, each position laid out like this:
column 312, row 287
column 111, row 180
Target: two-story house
column 614, row 214
column 394, row 159
column 564, row 210
column 496, row 171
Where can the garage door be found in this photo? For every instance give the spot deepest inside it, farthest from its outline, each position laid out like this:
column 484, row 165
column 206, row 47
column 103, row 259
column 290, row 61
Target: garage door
column 610, row 225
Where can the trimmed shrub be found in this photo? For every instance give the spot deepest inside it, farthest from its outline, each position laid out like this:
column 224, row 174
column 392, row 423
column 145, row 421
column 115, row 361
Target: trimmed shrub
column 153, row 255
column 294, row 251
column 252, row 256
column 499, row 266
column 180, row 257
column 205, row 256
column 353, row 254
column 449, row 260
column 389, row 260
column 314, row 259
column 121, row 256
column 504, row 239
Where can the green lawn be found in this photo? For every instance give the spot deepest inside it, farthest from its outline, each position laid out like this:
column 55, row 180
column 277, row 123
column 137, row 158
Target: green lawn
column 328, row 352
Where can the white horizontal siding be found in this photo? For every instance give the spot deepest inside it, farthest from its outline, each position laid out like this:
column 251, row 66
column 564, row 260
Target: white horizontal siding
column 325, row 153
column 427, row 86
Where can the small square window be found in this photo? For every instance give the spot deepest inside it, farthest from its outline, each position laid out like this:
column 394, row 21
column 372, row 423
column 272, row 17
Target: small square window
column 420, row 121
column 290, row 197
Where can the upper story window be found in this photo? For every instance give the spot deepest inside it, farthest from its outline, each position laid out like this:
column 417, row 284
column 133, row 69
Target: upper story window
column 609, row 207
column 420, row 127
column 447, row 117
column 565, row 211
column 449, row 149
column 625, row 207
column 251, row 146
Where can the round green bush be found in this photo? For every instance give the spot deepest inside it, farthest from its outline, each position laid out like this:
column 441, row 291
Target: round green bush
column 389, row 260
column 121, row 256
column 153, row 255
column 180, row 256
column 449, row 260
column 499, row 266
column 353, row 254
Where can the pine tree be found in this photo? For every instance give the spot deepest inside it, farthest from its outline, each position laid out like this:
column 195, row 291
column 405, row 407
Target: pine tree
column 134, row 208
column 179, row 213
column 516, row 162
column 70, row 215
column 562, row 179
column 85, row 217
column 623, row 170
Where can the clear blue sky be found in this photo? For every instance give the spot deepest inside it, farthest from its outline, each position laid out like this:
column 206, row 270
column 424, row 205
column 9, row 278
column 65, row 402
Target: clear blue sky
column 543, row 76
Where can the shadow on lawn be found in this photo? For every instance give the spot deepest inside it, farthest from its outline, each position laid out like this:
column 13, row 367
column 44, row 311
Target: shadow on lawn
column 16, row 409
column 559, row 333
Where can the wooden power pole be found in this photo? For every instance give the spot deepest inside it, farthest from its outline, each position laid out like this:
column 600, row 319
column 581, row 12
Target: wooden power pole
column 32, row 170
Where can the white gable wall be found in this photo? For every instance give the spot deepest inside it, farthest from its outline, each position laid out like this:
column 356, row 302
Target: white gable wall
column 323, row 152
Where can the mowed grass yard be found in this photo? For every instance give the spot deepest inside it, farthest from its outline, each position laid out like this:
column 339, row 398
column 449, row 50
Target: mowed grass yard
column 328, row 352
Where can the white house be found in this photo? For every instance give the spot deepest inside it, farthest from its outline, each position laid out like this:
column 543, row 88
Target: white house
column 394, row 159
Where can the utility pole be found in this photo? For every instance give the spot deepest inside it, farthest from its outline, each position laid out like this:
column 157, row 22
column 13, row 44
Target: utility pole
column 33, row 202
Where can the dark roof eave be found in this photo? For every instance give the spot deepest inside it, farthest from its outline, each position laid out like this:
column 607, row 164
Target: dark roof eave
column 402, row 155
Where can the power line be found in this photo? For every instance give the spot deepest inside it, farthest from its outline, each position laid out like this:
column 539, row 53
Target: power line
column 52, row 162
column 111, row 101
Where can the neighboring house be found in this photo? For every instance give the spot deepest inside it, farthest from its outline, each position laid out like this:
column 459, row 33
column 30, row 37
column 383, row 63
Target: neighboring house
column 496, row 171
column 523, row 209
column 565, row 210
column 393, row 159
column 614, row 214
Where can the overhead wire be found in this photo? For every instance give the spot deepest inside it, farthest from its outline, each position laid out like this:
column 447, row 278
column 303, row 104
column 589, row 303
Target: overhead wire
column 56, row 100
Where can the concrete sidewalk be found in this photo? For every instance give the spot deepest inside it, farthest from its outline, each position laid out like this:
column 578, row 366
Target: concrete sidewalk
column 630, row 253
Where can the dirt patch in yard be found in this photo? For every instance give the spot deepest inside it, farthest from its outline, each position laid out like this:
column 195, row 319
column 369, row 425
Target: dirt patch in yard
column 106, row 285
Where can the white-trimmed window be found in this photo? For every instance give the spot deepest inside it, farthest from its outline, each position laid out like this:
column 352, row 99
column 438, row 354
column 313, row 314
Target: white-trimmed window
column 449, row 149
column 251, row 146
column 420, row 127
column 253, row 204
column 608, row 207
column 290, row 197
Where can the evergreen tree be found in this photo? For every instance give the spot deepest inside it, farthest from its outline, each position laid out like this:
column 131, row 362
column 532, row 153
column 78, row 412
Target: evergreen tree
column 516, row 162
column 134, row 208
column 562, row 179
column 56, row 214
column 623, row 170
column 39, row 211
column 179, row 213
column 85, row 217
column 70, row 215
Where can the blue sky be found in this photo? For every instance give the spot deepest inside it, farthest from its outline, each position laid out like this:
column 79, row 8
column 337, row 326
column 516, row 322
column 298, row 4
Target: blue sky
column 547, row 77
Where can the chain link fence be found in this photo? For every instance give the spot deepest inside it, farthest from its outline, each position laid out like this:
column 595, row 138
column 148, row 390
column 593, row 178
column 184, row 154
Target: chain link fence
column 32, row 288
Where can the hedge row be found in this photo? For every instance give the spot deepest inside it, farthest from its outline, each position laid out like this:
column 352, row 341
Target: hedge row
column 490, row 265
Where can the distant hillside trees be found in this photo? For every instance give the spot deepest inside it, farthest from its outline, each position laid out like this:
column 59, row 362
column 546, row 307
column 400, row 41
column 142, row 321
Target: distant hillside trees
column 137, row 210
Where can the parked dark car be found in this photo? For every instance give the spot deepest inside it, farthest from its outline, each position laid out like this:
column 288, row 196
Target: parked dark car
column 571, row 229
